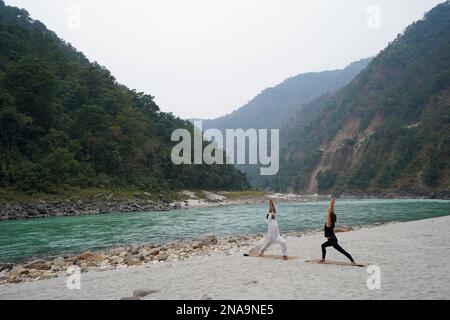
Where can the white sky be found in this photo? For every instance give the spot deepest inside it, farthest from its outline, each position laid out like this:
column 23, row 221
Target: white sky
column 205, row 58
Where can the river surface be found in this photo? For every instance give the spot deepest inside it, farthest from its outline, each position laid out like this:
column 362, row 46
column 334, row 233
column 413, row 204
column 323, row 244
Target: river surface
column 23, row 239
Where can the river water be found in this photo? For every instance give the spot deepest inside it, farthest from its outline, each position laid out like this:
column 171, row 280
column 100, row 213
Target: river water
column 22, row 239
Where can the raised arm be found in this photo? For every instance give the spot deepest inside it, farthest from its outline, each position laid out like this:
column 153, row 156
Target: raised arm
column 272, row 210
column 272, row 207
column 330, row 211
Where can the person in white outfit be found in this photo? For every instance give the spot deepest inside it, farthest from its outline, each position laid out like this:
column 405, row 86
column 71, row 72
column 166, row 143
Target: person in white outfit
column 273, row 233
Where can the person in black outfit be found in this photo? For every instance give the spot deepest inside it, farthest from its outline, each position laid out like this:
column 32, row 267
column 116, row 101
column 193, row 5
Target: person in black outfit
column 331, row 236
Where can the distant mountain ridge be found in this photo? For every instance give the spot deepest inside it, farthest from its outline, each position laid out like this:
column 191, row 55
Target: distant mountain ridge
column 273, row 107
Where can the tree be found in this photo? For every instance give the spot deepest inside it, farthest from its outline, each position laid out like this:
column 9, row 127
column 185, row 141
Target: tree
column 32, row 86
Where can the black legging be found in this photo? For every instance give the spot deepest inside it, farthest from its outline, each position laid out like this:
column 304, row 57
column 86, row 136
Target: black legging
column 333, row 242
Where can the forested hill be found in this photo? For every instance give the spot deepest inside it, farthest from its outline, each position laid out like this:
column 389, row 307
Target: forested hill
column 389, row 129
column 66, row 122
column 273, row 107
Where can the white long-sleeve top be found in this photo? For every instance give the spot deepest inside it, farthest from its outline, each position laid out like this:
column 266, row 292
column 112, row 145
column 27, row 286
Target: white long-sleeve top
column 273, row 232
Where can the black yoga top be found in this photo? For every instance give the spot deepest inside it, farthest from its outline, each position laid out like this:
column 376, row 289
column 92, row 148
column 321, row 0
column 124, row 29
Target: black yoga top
column 329, row 231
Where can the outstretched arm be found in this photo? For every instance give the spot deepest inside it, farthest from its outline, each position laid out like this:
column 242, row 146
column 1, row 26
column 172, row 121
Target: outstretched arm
column 330, row 211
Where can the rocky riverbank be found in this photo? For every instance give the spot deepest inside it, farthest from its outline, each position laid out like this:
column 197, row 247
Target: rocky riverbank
column 120, row 257
column 102, row 204
column 396, row 194
column 71, row 207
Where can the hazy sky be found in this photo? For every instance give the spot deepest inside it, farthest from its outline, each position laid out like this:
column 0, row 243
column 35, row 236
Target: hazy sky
column 205, row 58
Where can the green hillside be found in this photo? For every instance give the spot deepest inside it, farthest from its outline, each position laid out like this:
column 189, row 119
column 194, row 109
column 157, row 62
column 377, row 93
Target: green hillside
column 389, row 129
column 65, row 122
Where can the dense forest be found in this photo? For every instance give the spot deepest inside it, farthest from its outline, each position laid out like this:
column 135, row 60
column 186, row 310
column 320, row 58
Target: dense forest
column 389, row 129
column 65, row 122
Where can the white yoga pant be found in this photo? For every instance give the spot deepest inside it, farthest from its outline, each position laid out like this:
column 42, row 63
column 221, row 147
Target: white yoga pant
column 270, row 242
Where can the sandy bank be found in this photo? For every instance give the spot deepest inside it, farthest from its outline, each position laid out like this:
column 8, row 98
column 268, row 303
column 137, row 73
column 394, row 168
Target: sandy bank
column 413, row 257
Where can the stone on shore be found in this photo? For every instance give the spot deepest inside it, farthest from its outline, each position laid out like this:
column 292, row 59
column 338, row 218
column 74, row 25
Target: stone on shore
column 132, row 261
column 177, row 205
column 38, row 265
column 209, row 240
column 98, row 257
column 59, row 262
column 85, row 256
column 197, row 245
column 154, row 252
column 163, row 257
column 14, row 277
column 143, row 292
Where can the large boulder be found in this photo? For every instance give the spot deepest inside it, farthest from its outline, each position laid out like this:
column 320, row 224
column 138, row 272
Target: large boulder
column 85, row 256
column 177, row 205
column 163, row 257
column 38, row 265
column 154, row 252
column 197, row 245
column 209, row 240
column 59, row 262
column 98, row 257
column 41, row 209
column 132, row 261
column 14, row 277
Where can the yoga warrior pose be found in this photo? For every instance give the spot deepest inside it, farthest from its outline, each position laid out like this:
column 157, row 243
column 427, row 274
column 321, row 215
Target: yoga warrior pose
column 332, row 239
column 273, row 233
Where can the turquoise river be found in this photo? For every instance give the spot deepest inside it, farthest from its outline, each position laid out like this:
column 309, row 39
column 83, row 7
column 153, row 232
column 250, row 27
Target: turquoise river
column 23, row 239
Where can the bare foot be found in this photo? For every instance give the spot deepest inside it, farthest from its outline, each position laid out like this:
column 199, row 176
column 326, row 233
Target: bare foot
column 260, row 254
column 354, row 263
column 322, row 261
